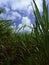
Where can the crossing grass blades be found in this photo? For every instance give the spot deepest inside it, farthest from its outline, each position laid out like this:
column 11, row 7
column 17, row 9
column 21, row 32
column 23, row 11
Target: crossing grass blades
column 26, row 49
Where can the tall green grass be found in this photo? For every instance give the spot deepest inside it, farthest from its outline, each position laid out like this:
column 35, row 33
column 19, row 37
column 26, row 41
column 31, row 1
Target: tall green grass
column 26, row 48
column 42, row 33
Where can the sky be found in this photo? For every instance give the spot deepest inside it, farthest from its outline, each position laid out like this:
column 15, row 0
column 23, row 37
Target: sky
column 20, row 12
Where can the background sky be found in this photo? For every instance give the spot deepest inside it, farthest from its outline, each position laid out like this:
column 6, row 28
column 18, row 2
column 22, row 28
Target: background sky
column 20, row 11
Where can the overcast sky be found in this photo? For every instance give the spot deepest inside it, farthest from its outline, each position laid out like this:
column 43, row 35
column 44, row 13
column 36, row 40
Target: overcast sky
column 20, row 11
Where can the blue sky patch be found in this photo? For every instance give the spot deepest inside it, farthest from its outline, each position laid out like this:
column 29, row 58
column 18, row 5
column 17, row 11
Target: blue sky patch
column 20, row 11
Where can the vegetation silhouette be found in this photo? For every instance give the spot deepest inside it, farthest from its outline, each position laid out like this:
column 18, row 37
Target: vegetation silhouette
column 26, row 48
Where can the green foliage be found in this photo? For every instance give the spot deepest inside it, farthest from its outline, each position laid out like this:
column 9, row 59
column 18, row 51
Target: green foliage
column 2, row 10
column 42, row 34
column 26, row 48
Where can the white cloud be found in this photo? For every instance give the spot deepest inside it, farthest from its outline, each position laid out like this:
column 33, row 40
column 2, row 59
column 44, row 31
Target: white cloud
column 10, row 15
column 4, row 2
column 25, row 21
column 30, row 9
column 7, row 9
column 25, row 4
column 13, row 15
column 16, row 14
column 21, row 4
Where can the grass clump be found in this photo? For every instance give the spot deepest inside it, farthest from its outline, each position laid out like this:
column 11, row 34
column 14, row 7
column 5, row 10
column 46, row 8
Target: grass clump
column 26, row 49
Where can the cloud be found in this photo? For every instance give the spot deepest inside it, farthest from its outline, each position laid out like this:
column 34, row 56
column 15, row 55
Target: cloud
column 25, row 21
column 20, row 5
column 3, row 2
column 16, row 14
column 30, row 9
column 13, row 15
column 10, row 15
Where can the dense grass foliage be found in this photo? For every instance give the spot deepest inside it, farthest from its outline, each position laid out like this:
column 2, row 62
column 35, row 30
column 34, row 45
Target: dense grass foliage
column 26, row 48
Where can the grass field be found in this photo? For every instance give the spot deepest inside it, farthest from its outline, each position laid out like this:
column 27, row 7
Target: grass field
column 26, row 48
